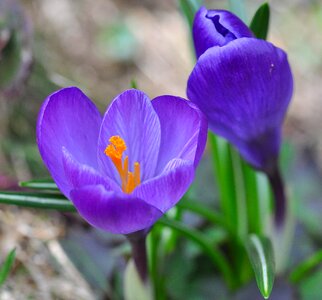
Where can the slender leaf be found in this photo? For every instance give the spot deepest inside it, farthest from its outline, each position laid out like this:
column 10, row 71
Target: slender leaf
column 260, row 22
column 40, row 184
column 37, row 200
column 7, row 265
column 189, row 9
column 260, row 253
column 205, row 212
column 222, row 164
column 255, row 218
column 306, row 266
column 240, row 198
column 216, row 257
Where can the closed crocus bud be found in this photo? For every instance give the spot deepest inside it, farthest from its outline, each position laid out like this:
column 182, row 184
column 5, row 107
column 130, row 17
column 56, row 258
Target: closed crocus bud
column 244, row 87
column 216, row 28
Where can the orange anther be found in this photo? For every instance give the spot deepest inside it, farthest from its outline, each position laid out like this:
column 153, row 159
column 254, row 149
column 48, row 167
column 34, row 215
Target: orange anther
column 129, row 180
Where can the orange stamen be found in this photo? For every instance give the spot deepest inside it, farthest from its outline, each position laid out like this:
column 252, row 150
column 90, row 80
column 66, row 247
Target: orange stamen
column 129, row 180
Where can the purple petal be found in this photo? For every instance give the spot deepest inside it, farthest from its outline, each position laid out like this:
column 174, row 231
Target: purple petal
column 183, row 130
column 67, row 119
column 165, row 190
column 132, row 117
column 114, row 212
column 244, row 89
column 216, row 28
column 80, row 175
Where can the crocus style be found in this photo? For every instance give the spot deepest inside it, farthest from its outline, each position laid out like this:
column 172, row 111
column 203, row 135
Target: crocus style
column 125, row 170
column 242, row 84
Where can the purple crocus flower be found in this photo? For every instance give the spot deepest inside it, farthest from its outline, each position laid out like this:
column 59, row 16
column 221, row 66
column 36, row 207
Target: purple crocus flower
column 216, row 28
column 242, row 84
column 125, row 170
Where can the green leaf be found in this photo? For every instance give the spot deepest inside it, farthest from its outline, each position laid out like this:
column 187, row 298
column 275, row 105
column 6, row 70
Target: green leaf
column 306, row 266
column 310, row 287
column 260, row 22
column 222, row 164
column 189, row 9
column 40, row 184
column 216, row 257
column 261, row 256
column 206, row 212
column 7, row 265
column 37, row 200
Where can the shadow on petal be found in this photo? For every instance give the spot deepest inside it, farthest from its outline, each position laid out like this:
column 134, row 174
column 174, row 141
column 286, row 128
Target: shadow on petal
column 165, row 190
column 114, row 212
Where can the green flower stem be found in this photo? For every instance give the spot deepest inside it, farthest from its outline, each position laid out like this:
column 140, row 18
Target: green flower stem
column 216, row 257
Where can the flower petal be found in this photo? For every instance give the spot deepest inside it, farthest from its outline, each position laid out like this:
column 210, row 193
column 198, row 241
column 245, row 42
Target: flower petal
column 113, row 212
column 132, row 117
column 216, row 28
column 80, row 175
column 183, row 130
column 245, row 94
column 165, row 190
column 67, row 119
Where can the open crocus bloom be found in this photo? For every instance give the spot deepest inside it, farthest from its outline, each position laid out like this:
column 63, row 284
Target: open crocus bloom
column 243, row 86
column 122, row 171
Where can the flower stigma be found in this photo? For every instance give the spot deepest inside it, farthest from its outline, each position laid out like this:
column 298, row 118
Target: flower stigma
column 114, row 150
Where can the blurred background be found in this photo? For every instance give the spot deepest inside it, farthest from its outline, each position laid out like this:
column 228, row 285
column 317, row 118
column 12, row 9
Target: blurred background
column 101, row 46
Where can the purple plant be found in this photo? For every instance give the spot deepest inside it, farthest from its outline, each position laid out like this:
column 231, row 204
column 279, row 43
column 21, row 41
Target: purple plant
column 125, row 170
column 242, row 84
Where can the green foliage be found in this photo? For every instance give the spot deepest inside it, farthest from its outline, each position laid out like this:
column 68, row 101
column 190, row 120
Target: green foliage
column 189, row 9
column 261, row 256
column 260, row 22
column 306, row 267
column 216, row 257
column 310, row 287
column 7, row 265
column 40, row 184
column 37, row 200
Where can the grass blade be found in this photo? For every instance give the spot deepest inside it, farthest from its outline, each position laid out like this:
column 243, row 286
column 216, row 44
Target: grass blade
column 306, row 266
column 40, row 184
column 37, row 200
column 216, row 257
column 7, row 265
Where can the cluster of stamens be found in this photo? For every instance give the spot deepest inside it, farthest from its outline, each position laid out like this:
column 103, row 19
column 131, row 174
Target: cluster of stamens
column 114, row 150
